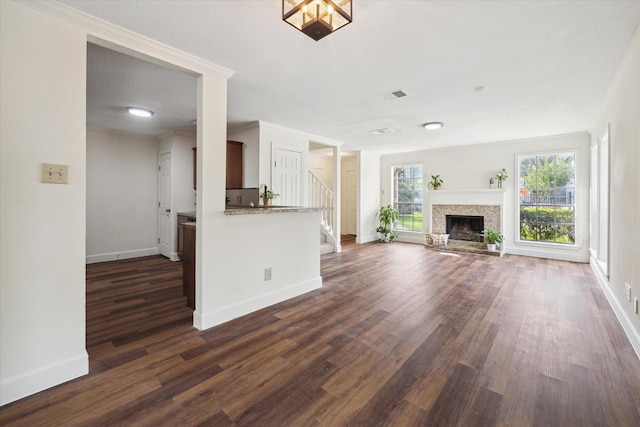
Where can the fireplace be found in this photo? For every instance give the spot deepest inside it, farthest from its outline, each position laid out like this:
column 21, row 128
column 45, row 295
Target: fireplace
column 471, row 204
column 465, row 227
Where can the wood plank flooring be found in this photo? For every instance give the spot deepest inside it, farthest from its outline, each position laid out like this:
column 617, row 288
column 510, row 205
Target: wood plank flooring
column 398, row 336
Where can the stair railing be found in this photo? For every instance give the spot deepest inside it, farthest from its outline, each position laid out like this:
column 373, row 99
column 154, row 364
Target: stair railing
column 321, row 196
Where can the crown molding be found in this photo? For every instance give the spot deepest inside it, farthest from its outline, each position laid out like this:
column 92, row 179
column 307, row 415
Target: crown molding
column 120, row 39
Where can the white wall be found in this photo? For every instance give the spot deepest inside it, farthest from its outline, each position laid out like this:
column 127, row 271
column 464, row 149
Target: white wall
column 43, row 49
column 322, row 165
column 250, row 136
column 122, row 195
column 285, row 242
column 621, row 110
column 42, row 226
column 278, row 136
column 369, row 199
column 470, row 167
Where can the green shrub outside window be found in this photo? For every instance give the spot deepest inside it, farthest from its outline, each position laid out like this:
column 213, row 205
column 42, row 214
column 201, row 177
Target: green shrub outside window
column 547, row 197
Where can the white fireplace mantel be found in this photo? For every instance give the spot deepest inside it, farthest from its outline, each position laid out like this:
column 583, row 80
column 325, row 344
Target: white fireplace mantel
column 471, row 197
column 467, row 197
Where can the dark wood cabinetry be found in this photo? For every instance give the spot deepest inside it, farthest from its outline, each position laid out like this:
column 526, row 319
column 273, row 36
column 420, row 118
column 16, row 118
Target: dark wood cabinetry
column 234, row 164
column 182, row 218
column 189, row 264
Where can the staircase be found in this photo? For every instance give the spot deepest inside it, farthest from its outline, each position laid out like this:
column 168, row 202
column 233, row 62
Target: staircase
column 326, row 247
column 321, row 196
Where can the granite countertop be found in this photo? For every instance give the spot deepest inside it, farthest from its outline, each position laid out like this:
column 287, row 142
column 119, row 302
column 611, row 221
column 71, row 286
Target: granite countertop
column 261, row 210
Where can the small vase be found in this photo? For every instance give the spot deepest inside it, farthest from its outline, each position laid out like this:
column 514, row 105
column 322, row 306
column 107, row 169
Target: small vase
column 499, row 183
column 265, row 201
column 491, row 247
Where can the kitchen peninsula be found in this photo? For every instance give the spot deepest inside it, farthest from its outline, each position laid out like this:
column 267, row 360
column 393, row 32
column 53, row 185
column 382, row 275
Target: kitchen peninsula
column 276, row 249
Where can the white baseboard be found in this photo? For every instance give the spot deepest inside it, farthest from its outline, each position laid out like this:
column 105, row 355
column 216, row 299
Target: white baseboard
column 174, row 257
column 366, row 239
column 25, row 385
column 411, row 237
column 114, row 256
column 224, row 314
column 625, row 322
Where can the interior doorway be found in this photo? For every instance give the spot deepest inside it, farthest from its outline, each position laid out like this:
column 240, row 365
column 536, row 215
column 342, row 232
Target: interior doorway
column 135, row 289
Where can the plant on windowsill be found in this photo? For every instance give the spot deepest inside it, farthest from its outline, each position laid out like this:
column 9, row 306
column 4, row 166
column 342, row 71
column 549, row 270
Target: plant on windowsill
column 435, row 182
column 387, row 215
column 492, row 238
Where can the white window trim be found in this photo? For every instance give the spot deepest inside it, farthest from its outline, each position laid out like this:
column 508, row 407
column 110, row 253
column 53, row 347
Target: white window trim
column 577, row 237
column 401, row 164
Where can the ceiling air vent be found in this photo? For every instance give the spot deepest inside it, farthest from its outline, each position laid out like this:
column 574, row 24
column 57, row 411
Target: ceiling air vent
column 395, row 94
column 381, row 131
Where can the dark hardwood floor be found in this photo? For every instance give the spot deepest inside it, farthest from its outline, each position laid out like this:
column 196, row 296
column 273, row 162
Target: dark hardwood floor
column 398, row 336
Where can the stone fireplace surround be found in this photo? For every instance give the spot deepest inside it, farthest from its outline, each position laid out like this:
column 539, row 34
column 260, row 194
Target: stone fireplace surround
column 489, row 203
column 491, row 214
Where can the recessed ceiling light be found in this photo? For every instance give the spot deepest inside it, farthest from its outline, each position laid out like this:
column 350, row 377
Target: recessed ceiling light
column 140, row 112
column 433, row 125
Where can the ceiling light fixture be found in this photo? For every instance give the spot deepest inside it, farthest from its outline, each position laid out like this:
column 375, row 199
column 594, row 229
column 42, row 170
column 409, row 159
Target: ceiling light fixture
column 140, row 112
column 317, row 18
column 433, row 125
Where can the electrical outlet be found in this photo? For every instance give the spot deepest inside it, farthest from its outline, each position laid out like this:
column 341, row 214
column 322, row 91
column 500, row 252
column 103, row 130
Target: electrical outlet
column 627, row 292
column 267, row 274
column 55, row 174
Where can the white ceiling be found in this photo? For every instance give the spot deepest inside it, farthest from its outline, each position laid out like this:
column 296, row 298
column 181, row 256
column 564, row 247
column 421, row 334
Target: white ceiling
column 546, row 66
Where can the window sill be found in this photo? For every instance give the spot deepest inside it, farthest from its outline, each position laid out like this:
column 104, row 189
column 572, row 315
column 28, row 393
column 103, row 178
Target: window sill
column 548, row 245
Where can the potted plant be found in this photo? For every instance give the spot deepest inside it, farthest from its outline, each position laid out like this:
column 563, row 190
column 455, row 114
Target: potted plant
column 492, row 238
column 387, row 215
column 501, row 175
column 268, row 195
column 435, row 182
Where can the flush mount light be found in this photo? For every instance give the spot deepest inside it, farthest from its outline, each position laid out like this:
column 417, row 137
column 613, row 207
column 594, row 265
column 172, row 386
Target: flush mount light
column 433, row 125
column 140, row 112
column 317, row 18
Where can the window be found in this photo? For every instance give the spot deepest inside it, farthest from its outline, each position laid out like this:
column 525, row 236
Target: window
column 547, row 197
column 407, row 196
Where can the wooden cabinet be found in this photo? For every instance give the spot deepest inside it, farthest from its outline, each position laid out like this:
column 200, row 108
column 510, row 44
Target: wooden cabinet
column 234, row 164
column 189, row 265
column 182, row 218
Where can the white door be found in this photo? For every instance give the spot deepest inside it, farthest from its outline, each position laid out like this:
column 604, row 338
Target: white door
column 352, row 195
column 287, row 177
column 164, row 204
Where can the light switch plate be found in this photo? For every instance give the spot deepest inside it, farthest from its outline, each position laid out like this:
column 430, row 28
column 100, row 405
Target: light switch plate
column 55, row 174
